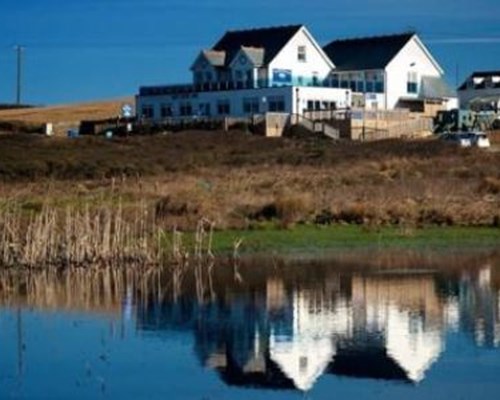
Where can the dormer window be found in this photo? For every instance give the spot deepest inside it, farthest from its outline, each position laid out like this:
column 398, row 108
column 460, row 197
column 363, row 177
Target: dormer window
column 301, row 54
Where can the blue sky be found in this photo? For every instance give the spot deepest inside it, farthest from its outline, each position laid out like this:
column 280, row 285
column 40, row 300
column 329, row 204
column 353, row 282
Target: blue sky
column 80, row 50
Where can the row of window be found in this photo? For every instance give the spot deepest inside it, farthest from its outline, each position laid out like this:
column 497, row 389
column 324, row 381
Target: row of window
column 250, row 105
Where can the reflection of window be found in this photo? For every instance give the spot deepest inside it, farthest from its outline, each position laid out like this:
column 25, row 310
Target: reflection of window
column 276, row 103
column 303, row 364
column 147, row 111
column 301, row 53
column 412, row 85
column 223, row 107
column 251, row 105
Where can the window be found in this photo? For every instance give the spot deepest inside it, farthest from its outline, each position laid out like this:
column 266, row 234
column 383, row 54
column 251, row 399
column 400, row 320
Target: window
column 208, row 76
column 412, row 85
column 223, row 107
column 335, row 81
column 276, row 104
column 344, row 81
column 238, row 75
column 301, row 53
column 185, row 109
column 166, row 110
column 251, row 105
column 374, row 82
column 147, row 111
column 204, row 109
column 198, row 77
column 315, row 80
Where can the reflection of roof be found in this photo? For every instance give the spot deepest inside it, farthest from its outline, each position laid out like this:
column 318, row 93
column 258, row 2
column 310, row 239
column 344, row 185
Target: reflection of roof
column 366, row 53
column 302, row 359
column 270, row 378
column 373, row 363
column 271, row 40
column 411, row 344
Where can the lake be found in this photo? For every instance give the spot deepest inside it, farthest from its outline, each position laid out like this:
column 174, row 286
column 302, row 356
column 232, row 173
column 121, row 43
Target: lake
column 368, row 325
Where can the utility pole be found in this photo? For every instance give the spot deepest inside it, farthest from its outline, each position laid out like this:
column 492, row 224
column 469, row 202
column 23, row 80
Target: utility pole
column 19, row 50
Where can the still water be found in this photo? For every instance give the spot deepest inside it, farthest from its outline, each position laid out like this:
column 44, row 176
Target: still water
column 392, row 326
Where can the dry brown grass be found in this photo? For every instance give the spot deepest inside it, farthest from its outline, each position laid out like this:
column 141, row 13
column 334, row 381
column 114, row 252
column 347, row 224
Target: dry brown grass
column 64, row 113
column 240, row 181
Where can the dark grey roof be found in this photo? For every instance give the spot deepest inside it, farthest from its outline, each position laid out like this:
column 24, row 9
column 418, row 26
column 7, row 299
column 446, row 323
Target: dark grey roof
column 366, row 53
column 435, row 88
column 479, row 74
column 272, row 40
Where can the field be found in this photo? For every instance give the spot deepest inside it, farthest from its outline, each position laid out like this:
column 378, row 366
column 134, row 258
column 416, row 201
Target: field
column 250, row 182
column 65, row 113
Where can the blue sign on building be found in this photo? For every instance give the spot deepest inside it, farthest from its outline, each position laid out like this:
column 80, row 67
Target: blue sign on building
column 282, row 76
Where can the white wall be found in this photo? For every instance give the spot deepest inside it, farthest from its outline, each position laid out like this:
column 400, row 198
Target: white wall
column 342, row 97
column 235, row 97
column 316, row 60
column 397, row 71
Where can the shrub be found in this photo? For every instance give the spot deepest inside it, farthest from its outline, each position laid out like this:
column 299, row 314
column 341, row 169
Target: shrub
column 292, row 208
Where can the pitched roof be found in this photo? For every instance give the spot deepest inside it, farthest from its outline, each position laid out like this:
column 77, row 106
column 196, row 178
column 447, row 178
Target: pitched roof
column 272, row 40
column 216, row 58
column 255, row 54
column 436, row 88
column 366, row 53
column 479, row 74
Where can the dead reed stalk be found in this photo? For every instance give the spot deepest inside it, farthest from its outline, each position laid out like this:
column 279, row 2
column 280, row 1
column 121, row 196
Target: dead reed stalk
column 75, row 237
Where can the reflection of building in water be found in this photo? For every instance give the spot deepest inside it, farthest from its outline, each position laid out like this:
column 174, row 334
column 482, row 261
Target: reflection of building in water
column 480, row 307
column 284, row 333
column 305, row 346
column 406, row 312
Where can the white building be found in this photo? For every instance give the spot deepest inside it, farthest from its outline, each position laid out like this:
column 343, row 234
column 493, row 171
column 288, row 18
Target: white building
column 480, row 91
column 283, row 69
column 280, row 69
column 388, row 72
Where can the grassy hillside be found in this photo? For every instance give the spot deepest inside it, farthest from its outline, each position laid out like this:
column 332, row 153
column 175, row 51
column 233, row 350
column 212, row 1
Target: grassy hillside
column 64, row 113
column 243, row 181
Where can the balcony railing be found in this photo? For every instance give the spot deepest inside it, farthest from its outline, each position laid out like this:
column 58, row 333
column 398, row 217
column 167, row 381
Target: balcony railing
column 191, row 89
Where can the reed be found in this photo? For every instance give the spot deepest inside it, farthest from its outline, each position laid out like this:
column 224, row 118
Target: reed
column 75, row 237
